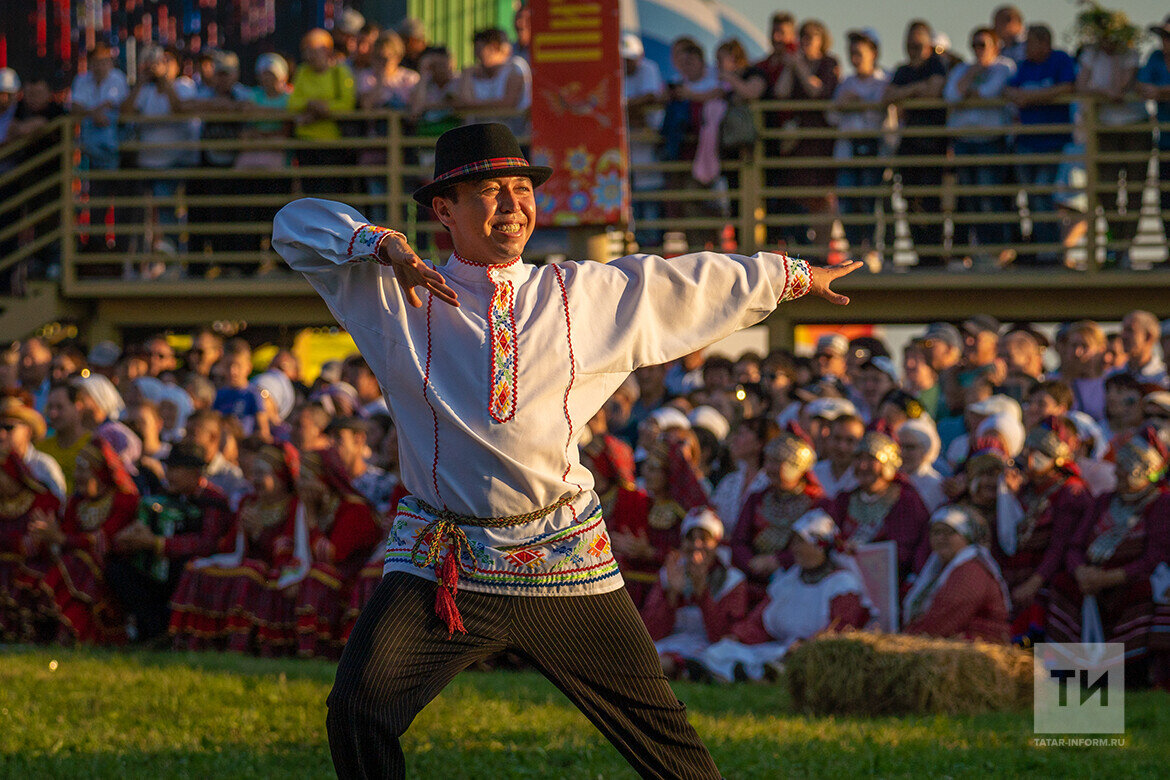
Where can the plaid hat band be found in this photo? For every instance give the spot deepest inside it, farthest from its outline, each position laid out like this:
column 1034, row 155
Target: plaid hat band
column 494, row 164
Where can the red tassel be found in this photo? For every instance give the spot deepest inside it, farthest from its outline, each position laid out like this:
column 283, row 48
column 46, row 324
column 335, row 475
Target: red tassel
column 447, row 585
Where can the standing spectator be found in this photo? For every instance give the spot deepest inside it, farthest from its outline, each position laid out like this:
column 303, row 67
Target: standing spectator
column 645, row 92
column 9, row 89
column 922, row 76
column 20, row 427
column 161, row 91
column 1081, row 347
column 97, row 97
column 784, row 46
column 349, row 437
column 385, row 85
column 742, row 83
column 269, row 95
column 1008, row 24
column 414, row 38
column 235, row 397
column 498, row 81
column 206, row 350
column 36, row 361
column 433, row 97
column 223, row 94
column 63, row 412
column 522, row 22
column 1154, row 84
column 347, row 28
column 919, row 378
column 811, row 74
column 321, row 89
column 1042, row 76
column 205, row 430
column 160, row 356
column 36, row 109
column 983, row 79
column 867, row 85
column 1108, row 72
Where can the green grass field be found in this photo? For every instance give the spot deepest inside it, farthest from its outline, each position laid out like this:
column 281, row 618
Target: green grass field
column 95, row 714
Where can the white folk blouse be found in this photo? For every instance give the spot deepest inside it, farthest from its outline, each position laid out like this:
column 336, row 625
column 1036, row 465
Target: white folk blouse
column 490, row 398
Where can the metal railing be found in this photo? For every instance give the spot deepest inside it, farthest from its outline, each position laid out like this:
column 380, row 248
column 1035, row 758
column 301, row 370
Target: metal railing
column 191, row 224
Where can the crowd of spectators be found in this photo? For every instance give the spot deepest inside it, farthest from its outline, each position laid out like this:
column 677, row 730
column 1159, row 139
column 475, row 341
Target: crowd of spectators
column 201, row 499
column 696, row 114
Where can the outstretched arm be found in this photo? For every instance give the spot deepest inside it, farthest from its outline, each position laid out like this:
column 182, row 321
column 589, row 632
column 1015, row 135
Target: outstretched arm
column 823, row 277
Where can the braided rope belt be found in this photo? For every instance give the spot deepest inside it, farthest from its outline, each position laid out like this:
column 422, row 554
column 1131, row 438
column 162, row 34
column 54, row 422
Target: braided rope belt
column 445, row 531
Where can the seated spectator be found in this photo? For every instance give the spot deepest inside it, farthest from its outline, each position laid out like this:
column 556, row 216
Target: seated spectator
column 1153, row 83
column 920, row 447
column 343, row 531
column 309, row 422
column 746, row 453
column 873, row 379
column 1042, row 77
column 1030, row 535
column 835, row 472
column 1123, row 408
column 434, row 95
column 349, row 438
column 1081, row 347
column 23, row 501
column 884, row 506
column 759, row 546
column 959, row 592
column 920, row 379
column 148, row 556
column 244, row 596
column 321, row 89
column 103, row 502
column 867, row 84
column 498, row 81
column 1113, row 552
column 277, row 398
column 237, row 397
column 1140, row 333
column 64, row 413
column 823, row 592
column 206, row 430
column 20, row 427
column 1047, row 399
column 985, row 78
column 698, row 597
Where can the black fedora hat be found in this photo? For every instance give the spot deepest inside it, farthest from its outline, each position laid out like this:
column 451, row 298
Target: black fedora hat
column 480, row 151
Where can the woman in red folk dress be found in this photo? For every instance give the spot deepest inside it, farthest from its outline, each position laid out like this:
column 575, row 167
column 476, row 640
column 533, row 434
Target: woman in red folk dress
column 759, row 543
column 371, row 574
column 22, row 500
column 1037, row 513
column 104, row 501
column 343, row 532
column 645, row 526
column 959, row 593
column 245, row 593
column 1110, row 560
column 884, row 506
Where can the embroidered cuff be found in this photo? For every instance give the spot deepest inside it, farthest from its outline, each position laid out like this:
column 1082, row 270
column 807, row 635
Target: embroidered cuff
column 366, row 241
column 798, row 280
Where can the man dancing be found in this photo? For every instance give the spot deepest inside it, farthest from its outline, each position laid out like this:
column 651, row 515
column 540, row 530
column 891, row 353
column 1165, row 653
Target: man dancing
column 491, row 376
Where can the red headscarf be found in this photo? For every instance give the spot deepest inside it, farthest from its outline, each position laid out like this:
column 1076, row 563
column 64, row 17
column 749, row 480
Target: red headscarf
column 684, row 486
column 284, row 458
column 110, row 468
column 333, row 474
column 17, row 470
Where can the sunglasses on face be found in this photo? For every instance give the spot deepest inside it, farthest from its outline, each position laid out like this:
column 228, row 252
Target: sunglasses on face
column 8, row 427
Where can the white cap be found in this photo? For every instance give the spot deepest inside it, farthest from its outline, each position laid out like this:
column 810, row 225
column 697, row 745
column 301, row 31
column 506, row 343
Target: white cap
column 709, row 417
column 834, row 343
column 997, row 404
column 958, row 520
column 631, row 46
column 816, row 527
column 669, row 417
column 9, row 81
column 272, row 62
column 702, row 517
column 829, row 408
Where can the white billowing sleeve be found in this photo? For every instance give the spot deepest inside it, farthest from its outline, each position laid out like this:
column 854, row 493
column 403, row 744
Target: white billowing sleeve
column 335, row 247
column 645, row 310
column 294, row 574
column 225, row 560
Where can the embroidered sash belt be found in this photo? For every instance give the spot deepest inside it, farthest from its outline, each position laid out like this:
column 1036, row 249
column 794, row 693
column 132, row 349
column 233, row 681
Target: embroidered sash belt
column 445, row 531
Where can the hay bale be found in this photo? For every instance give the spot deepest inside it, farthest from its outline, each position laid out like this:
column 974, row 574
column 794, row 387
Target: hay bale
column 860, row 673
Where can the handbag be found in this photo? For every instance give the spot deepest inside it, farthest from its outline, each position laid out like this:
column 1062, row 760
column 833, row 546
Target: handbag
column 738, row 128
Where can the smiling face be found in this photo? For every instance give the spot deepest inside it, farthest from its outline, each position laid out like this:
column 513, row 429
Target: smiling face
column 490, row 220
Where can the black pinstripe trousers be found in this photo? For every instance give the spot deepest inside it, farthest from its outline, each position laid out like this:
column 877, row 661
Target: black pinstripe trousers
column 595, row 649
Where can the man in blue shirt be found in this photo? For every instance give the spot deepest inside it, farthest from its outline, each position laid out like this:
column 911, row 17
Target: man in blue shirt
column 1042, row 77
column 1154, row 84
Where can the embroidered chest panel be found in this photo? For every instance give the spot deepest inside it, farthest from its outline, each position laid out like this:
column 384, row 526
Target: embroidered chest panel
column 778, row 513
column 504, row 352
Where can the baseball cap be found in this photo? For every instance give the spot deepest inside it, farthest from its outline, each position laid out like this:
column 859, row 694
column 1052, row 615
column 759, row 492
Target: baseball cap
column 631, row 46
column 944, row 332
column 832, row 344
column 865, row 34
column 412, row 28
column 883, row 364
column 829, row 408
column 272, row 63
column 226, row 62
column 981, row 323
column 9, row 81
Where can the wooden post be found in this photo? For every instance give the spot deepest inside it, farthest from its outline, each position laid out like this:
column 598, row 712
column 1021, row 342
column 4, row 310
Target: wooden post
column 68, row 246
column 749, row 191
column 1092, row 181
column 394, row 163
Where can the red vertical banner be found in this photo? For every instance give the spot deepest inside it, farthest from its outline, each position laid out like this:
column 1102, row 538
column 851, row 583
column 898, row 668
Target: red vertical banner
column 578, row 112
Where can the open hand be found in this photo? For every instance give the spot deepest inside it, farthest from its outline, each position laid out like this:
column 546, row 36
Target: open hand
column 821, row 278
column 411, row 272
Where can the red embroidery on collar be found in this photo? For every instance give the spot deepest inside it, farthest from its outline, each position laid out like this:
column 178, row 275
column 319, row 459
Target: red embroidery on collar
column 465, row 261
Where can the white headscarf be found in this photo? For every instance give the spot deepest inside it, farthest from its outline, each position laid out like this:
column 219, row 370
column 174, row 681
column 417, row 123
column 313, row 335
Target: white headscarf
column 279, row 388
column 1009, row 428
column 926, row 431
column 184, row 406
column 104, row 394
